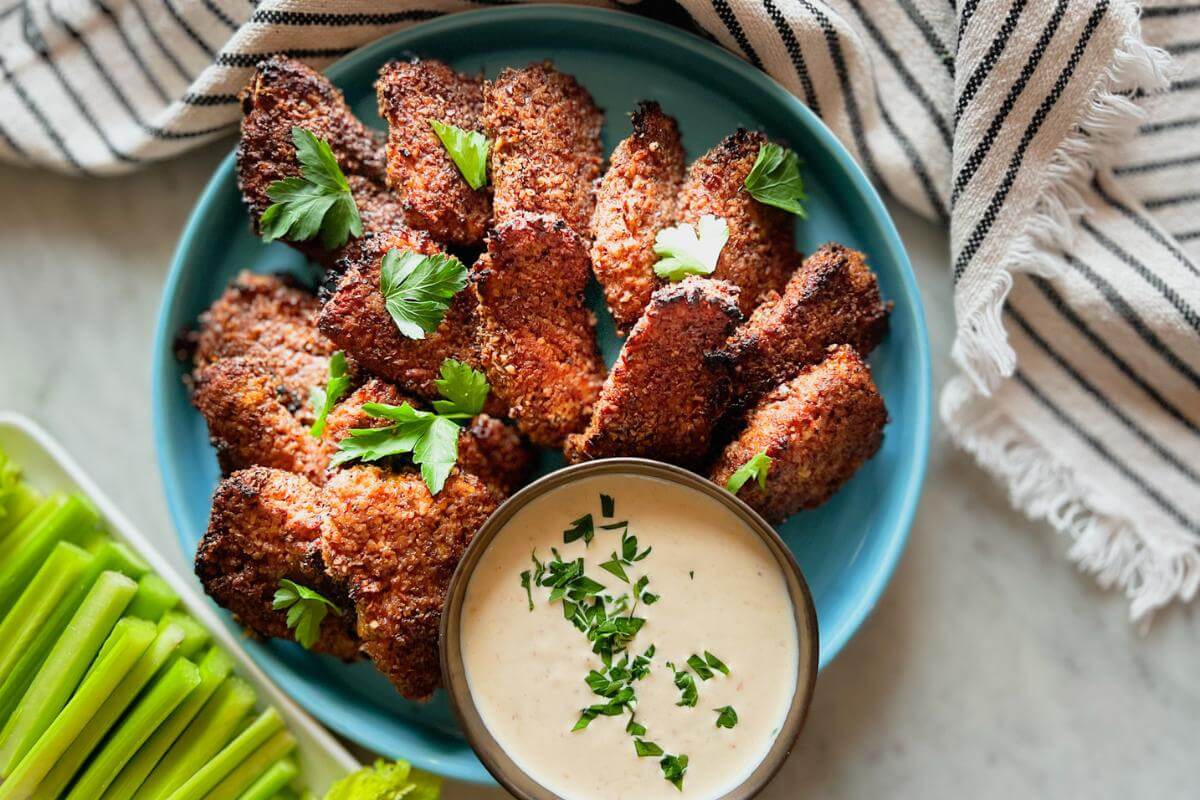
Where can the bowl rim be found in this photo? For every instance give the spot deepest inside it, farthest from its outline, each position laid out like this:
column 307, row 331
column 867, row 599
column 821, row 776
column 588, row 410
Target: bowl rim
column 501, row 766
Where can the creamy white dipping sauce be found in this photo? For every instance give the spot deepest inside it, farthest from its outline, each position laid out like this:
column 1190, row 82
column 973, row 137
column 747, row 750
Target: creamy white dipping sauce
column 720, row 590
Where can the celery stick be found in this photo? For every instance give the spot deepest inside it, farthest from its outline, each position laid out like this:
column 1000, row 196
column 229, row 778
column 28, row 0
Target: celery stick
column 152, row 709
column 253, row 767
column 14, row 682
column 75, row 521
column 63, row 567
column 194, row 635
column 133, row 637
column 18, row 502
column 214, row 668
column 275, row 779
column 212, row 728
column 154, row 598
column 166, row 642
column 205, row 779
column 61, row 673
column 25, row 528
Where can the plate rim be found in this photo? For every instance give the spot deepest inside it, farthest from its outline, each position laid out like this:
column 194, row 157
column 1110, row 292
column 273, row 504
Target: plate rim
column 833, row 642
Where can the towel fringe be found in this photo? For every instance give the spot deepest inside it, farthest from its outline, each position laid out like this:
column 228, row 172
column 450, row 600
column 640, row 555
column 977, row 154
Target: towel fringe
column 1151, row 572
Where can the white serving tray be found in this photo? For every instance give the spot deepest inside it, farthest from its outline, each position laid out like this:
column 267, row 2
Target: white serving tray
column 47, row 466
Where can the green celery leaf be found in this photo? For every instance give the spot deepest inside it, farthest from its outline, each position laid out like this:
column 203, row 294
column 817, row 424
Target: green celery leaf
column 306, row 608
column 684, row 250
column 756, row 468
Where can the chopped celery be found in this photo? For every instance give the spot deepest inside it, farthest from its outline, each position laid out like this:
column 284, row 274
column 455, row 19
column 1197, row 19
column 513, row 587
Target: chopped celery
column 120, row 558
column 165, row 643
column 154, row 598
column 275, row 779
column 194, row 635
column 132, row 638
column 25, row 528
column 62, row 568
column 254, row 766
column 212, row 728
column 214, row 770
column 62, row 670
column 17, row 503
column 214, row 669
column 167, row 692
column 74, row 521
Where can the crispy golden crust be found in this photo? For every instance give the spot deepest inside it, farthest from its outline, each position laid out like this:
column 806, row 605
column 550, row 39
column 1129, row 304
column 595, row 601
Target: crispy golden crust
column 270, row 320
column 761, row 251
column 265, row 526
column 818, row 429
column 396, row 547
column 832, row 299
column 249, row 425
column 635, row 200
column 494, row 453
column 284, row 93
column 537, row 338
column 431, row 189
column 666, row 390
column 546, row 153
column 356, row 319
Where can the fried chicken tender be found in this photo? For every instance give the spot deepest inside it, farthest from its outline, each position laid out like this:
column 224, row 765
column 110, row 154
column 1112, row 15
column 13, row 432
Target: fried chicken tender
column 818, row 429
column 285, row 93
column 266, row 526
column 635, row 200
column 395, row 546
column 356, row 319
column 666, row 391
column 432, row 191
column 832, row 299
column 537, row 338
column 546, row 152
column 494, row 453
column 761, row 250
column 270, row 320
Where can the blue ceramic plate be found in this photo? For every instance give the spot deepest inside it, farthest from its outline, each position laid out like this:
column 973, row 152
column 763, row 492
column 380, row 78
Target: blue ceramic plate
column 847, row 548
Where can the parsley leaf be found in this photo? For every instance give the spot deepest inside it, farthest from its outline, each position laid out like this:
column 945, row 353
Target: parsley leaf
column 699, row 667
column 467, row 149
column 674, row 768
column 756, row 468
column 686, row 684
column 607, row 506
column 644, row 748
column 715, row 663
column 684, row 250
column 324, row 398
column 432, row 441
column 774, row 180
column 465, row 389
column 417, row 289
column 318, row 201
column 306, row 608
column 582, row 528
column 726, row 717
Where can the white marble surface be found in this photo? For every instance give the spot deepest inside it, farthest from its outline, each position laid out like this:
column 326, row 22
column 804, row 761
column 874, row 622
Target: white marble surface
column 990, row 669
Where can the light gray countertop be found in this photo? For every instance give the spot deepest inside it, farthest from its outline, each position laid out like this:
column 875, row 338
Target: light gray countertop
column 991, row 668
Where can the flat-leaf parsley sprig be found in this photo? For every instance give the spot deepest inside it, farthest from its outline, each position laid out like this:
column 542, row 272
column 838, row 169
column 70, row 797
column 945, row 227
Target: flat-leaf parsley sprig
column 467, row 149
column 774, row 180
column 430, row 437
column 417, row 289
column 319, row 200
column 306, row 609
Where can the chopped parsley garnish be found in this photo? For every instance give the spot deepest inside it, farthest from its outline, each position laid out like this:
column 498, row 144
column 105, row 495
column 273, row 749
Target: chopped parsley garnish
column 467, row 149
column 417, row 289
column 756, row 468
column 635, row 728
column 674, row 768
column 686, row 684
column 715, row 663
column 318, row 201
column 644, row 748
column 629, row 555
column 684, row 250
column 430, row 437
column 699, row 667
column 607, row 506
column 582, row 528
column 774, row 180
column 324, row 398
column 726, row 717
column 306, row 609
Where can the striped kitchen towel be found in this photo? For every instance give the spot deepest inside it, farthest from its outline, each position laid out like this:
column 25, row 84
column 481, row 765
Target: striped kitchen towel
column 1055, row 138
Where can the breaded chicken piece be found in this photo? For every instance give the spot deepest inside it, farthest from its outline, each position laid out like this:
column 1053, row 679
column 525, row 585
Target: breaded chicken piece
column 832, row 299
column 356, row 319
column 248, row 423
column 537, row 338
column 666, row 391
column 266, row 526
column 285, row 93
column 494, row 453
column 761, row 251
column 431, row 189
column 395, row 546
column 635, row 200
column 546, row 152
column 818, row 429
column 270, row 320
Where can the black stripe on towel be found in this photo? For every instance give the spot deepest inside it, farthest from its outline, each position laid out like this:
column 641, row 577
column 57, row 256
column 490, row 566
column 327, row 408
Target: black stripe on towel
column 1145, row 224
column 188, row 29
column 935, row 43
column 168, row 54
column 147, row 73
column 270, row 16
column 795, row 53
column 989, row 60
column 730, row 21
column 252, row 59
